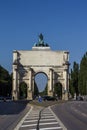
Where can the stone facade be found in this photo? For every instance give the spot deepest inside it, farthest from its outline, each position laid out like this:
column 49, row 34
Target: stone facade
column 26, row 64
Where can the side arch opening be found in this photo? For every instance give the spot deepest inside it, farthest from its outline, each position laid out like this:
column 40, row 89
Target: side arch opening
column 22, row 90
column 58, row 90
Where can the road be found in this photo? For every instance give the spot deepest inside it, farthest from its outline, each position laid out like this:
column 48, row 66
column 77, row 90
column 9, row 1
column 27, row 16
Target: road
column 11, row 113
column 72, row 114
column 39, row 118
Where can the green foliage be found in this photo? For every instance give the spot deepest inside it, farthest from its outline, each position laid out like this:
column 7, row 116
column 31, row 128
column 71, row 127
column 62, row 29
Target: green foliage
column 71, row 88
column 58, row 90
column 74, row 79
column 45, row 91
column 83, row 75
column 78, row 79
column 23, row 90
column 5, row 82
column 75, row 74
column 4, row 75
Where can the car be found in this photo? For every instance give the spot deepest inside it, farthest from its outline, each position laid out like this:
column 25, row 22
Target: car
column 1, row 98
column 5, row 98
column 79, row 98
column 49, row 98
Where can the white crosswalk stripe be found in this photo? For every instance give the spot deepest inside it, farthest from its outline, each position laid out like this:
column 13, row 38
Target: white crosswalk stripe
column 41, row 118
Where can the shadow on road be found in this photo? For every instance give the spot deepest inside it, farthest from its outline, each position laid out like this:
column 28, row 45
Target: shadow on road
column 12, row 107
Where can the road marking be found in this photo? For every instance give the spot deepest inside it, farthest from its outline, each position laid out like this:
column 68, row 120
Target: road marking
column 79, row 112
column 39, row 117
column 50, row 128
column 21, row 122
column 47, row 114
column 31, row 121
column 40, row 120
column 48, row 123
column 40, row 124
column 32, row 118
column 29, row 125
column 47, row 119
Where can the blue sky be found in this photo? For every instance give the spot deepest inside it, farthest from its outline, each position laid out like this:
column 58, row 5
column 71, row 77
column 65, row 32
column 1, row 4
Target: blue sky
column 62, row 22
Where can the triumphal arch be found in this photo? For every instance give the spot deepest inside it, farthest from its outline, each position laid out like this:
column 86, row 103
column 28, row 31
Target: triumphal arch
column 27, row 63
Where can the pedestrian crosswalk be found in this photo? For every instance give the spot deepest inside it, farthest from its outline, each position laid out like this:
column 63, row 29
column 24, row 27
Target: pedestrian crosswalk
column 39, row 119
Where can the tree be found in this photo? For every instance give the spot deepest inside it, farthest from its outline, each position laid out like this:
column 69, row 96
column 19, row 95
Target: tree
column 71, row 88
column 83, row 75
column 5, row 82
column 23, row 90
column 45, row 90
column 58, row 90
column 74, row 79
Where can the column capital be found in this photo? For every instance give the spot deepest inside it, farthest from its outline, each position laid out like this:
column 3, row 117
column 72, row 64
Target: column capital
column 51, row 69
column 31, row 69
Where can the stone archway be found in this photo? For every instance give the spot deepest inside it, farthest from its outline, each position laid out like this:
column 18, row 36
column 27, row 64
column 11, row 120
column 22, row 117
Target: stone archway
column 55, row 64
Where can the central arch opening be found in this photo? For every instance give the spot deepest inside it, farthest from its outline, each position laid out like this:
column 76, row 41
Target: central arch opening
column 41, row 81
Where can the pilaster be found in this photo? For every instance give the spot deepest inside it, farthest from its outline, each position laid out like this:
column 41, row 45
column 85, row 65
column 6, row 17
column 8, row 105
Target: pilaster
column 30, row 91
column 15, row 84
column 50, row 90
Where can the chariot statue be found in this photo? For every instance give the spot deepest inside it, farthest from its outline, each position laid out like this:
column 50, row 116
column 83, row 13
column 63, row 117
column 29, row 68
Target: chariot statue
column 41, row 42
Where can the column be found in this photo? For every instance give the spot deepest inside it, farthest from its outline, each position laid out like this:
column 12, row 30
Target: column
column 51, row 80
column 15, row 75
column 30, row 79
column 18, row 83
column 65, row 76
column 66, row 84
column 30, row 92
column 15, row 83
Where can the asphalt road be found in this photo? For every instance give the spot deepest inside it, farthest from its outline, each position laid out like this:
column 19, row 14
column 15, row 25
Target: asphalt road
column 40, row 118
column 11, row 113
column 72, row 114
